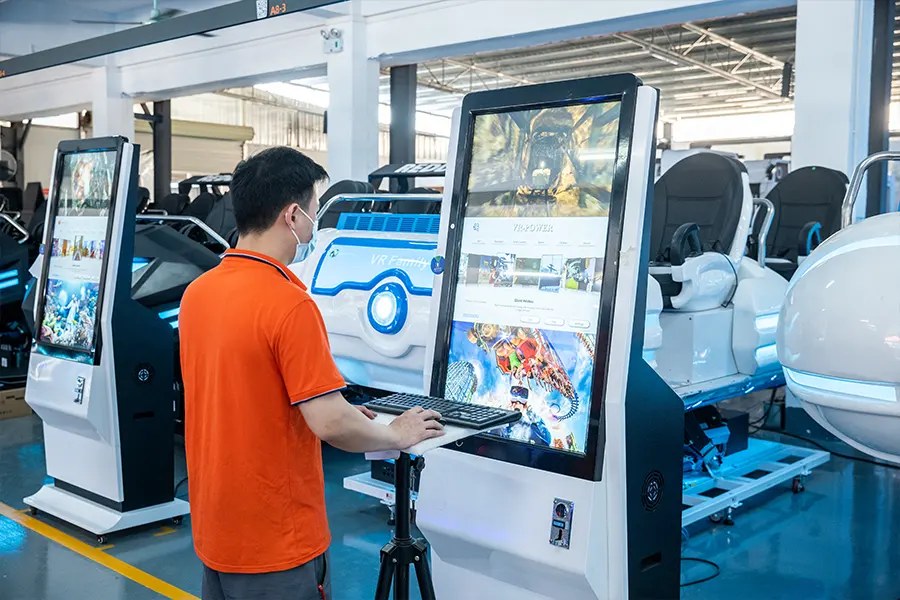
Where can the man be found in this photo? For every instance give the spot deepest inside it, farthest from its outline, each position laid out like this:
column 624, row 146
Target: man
column 261, row 390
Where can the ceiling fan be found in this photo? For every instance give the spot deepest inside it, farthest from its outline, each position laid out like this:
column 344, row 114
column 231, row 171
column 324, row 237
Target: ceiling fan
column 156, row 15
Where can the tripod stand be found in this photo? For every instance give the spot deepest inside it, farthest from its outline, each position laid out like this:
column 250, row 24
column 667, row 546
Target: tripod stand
column 403, row 551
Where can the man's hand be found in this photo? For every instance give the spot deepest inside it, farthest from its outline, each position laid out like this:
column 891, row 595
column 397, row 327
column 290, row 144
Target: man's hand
column 416, row 425
column 364, row 410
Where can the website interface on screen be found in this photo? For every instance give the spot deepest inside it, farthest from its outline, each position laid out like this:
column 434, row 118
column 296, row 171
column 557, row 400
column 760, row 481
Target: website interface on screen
column 77, row 249
column 531, row 268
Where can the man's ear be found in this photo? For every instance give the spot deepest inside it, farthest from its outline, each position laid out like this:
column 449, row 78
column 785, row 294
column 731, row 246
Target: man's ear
column 290, row 214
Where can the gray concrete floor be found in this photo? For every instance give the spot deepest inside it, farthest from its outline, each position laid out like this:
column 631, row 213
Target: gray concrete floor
column 838, row 540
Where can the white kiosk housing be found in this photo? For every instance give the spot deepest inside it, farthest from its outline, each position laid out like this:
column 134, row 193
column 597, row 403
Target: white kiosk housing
column 541, row 307
column 106, row 401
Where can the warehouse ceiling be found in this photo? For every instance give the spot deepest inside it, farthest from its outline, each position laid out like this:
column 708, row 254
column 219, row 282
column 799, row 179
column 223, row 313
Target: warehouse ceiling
column 717, row 67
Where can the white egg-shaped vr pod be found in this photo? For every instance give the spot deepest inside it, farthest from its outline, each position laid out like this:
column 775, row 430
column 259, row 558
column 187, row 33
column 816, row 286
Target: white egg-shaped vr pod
column 839, row 330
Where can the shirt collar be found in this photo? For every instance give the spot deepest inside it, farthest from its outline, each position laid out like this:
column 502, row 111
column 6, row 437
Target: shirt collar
column 262, row 258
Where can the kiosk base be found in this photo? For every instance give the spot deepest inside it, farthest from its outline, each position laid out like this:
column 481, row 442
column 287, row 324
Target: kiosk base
column 96, row 518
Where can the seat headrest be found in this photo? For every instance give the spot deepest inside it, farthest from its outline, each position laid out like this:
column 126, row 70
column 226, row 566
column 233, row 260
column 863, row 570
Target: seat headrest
column 706, row 189
column 175, row 204
column 347, row 186
column 201, row 206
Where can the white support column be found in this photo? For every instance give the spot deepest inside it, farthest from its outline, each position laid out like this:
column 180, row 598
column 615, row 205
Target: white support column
column 834, row 67
column 353, row 105
column 112, row 110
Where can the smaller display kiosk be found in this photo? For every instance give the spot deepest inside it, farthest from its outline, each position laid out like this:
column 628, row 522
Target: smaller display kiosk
column 541, row 308
column 106, row 402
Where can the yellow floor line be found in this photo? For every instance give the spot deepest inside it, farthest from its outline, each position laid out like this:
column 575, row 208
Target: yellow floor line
column 164, row 531
column 95, row 554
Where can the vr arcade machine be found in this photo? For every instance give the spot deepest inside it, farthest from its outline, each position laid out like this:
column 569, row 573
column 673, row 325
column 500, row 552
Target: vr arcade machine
column 581, row 499
column 102, row 366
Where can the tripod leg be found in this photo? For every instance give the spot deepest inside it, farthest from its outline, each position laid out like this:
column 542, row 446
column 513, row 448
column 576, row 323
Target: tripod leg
column 401, row 581
column 423, row 575
column 385, row 576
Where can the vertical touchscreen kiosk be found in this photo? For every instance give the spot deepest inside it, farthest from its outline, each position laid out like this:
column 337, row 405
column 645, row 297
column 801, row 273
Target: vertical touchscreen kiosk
column 542, row 310
column 106, row 401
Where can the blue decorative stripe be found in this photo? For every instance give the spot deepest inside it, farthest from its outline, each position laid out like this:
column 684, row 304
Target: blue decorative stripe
column 8, row 283
column 388, row 223
column 8, row 274
column 369, row 285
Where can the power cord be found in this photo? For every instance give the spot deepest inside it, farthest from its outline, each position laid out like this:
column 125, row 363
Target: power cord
column 838, row 454
column 702, row 561
column 178, row 485
column 733, row 270
column 757, row 425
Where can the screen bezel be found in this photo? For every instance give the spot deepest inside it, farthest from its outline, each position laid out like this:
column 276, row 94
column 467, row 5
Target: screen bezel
column 621, row 88
column 64, row 149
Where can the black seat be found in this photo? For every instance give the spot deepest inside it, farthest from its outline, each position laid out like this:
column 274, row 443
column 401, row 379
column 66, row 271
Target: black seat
column 31, row 200
column 705, row 189
column 174, row 204
column 807, row 195
column 143, row 199
column 201, row 206
column 11, row 199
column 34, row 193
column 343, row 188
column 221, row 219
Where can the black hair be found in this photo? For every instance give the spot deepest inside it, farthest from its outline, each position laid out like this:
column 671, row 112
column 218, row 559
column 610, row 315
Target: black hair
column 268, row 182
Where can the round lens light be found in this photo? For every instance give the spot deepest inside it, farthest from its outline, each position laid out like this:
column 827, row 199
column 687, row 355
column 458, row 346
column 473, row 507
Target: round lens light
column 388, row 308
column 384, row 308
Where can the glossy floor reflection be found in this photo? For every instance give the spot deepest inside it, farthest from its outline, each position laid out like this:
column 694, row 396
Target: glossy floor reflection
column 838, row 540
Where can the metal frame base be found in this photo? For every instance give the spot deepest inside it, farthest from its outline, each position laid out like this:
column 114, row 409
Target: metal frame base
column 760, row 467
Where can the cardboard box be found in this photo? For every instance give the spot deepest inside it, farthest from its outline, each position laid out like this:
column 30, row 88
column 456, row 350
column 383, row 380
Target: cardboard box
column 12, row 404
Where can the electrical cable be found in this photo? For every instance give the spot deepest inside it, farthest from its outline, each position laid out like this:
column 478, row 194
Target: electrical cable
column 178, row 485
column 758, row 424
column 838, row 454
column 702, row 561
column 733, row 270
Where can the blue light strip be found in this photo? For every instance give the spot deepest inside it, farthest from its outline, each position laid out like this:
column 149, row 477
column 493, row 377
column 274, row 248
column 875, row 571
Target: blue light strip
column 8, row 274
column 884, row 392
column 766, row 323
column 168, row 314
column 8, row 283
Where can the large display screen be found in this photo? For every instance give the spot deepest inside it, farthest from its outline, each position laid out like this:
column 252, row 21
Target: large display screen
column 533, row 245
column 75, row 266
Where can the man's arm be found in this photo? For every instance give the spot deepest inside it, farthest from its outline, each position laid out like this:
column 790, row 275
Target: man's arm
column 336, row 421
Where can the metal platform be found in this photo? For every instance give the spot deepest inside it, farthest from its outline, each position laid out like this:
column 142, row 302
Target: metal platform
column 364, row 483
column 760, row 467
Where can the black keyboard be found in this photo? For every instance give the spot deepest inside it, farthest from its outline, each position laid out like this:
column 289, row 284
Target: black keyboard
column 461, row 414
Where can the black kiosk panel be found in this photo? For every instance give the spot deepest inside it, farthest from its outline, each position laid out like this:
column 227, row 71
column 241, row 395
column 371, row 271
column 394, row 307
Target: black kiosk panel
column 526, row 307
column 75, row 262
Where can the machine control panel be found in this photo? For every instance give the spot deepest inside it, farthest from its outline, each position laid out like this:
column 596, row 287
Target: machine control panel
column 561, row 522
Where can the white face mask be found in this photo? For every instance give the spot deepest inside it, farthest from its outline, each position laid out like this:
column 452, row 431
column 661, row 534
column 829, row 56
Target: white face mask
column 304, row 250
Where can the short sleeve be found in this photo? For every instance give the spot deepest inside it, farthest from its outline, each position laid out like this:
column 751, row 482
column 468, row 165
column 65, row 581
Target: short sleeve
column 304, row 355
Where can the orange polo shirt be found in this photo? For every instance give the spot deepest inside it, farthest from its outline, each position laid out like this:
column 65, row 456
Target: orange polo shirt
column 253, row 346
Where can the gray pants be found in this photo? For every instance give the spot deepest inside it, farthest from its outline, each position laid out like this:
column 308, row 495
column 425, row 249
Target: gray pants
column 299, row 583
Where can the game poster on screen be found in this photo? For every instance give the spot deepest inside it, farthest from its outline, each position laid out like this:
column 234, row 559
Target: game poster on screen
column 544, row 374
column 77, row 250
column 528, row 285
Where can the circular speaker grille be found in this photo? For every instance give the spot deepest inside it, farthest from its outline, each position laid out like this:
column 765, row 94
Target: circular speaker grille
column 652, row 490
